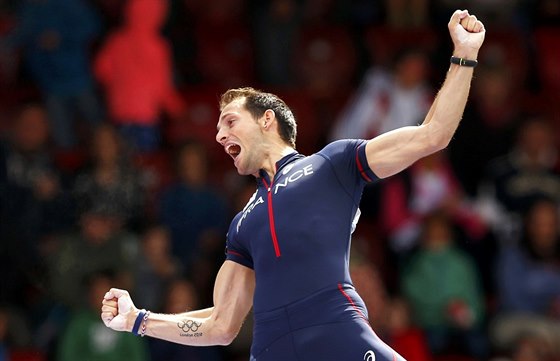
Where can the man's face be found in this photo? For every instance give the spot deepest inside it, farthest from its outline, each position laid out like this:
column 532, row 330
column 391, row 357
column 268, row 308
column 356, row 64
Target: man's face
column 242, row 137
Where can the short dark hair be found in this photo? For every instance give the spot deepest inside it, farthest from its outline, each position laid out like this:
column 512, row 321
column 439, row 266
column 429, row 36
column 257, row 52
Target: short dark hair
column 257, row 102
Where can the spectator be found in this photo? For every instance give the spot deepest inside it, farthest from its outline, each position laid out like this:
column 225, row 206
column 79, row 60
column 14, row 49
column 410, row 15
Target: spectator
column 110, row 183
column 403, row 335
column 529, row 171
column 55, row 37
column 101, row 244
column 428, row 185
column 277, row 24
column 191, row 209
column 452, row 317
column 387, row 100
column 134, row 67
column 528, row 278
column 491, row 118
column 155, row 268
column 30, row 182
column 33, row 204
column 85, row 338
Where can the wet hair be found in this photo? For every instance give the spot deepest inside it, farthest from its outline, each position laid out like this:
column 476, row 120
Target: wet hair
column 258, row 102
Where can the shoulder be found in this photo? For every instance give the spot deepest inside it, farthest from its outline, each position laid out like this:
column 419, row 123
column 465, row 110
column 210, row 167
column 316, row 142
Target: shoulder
column 343, row 146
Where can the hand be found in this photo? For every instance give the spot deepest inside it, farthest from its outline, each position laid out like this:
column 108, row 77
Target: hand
column 467, row 33
column 118, row 309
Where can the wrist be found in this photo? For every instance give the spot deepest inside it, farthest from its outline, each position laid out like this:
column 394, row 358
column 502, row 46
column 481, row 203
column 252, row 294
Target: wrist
column 131, row 319
column 471, row 54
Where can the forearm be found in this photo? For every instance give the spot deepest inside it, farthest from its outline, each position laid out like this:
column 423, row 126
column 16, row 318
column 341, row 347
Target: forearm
column 233, row 295
column 446, row 112
column 196, row 328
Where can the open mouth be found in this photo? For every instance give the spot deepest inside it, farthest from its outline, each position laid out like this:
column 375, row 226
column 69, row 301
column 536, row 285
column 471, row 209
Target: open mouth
column 233, row 150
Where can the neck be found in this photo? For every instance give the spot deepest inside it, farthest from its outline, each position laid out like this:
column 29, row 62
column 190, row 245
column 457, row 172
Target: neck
column 275, row 153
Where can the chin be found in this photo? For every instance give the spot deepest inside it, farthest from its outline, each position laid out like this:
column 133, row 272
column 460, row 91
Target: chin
column 244, row 172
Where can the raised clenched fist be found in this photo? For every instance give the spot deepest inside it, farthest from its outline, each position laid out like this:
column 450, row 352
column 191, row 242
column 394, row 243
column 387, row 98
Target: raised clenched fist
column 467, row 33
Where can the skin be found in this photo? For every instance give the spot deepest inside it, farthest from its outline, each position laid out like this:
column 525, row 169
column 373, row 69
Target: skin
column 261, row 147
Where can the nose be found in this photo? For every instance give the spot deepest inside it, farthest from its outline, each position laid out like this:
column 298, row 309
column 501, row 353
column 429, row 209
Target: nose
column 221, row 136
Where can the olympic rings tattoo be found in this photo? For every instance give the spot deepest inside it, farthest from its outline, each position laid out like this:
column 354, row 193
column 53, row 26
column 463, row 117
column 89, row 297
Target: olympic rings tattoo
column 189, row 325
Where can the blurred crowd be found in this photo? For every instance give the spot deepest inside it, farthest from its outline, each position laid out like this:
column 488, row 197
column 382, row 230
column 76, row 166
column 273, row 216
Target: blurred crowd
column 110, row 174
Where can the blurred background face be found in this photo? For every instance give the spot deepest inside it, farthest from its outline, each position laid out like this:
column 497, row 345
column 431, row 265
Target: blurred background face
column 543, row 227
column 192, row 165
column 106, row 145
column 536, row 139
column 98, row 228
column 412, row 70
column 399, row 316
column 97, row 289
column 181, row 297
column 437, row 233
column 493, row 86
column 156, row 242
column 31, row 130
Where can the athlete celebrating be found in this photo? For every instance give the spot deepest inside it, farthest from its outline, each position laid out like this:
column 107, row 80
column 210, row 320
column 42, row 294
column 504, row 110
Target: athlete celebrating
column 288, row 250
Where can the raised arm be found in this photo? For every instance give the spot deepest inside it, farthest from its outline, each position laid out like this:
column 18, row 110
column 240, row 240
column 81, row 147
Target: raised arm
column 218, row 325
column 394, row 151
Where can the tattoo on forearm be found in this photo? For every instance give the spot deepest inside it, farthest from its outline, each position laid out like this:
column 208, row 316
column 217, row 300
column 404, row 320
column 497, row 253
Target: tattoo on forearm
column 189, row 328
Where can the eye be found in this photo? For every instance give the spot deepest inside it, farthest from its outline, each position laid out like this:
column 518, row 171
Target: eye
column 230, row 122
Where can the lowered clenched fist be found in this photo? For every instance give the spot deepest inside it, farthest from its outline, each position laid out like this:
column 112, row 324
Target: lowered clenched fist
column 117, row 310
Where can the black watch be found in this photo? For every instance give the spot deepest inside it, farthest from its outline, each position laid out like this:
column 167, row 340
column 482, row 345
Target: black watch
column 463, row 62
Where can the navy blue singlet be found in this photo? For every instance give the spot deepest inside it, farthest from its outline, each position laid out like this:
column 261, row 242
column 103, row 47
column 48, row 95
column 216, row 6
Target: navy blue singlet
column 295, row 234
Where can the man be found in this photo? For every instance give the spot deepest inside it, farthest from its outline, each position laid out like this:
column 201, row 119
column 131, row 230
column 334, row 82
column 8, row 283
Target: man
column 287, row 251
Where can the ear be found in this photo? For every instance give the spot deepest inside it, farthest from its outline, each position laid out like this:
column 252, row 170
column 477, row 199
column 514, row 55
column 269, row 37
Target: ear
column 268, row 118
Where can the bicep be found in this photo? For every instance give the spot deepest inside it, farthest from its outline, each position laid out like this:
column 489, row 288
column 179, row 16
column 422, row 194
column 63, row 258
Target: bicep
column 396, row 150
column 233, row 294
